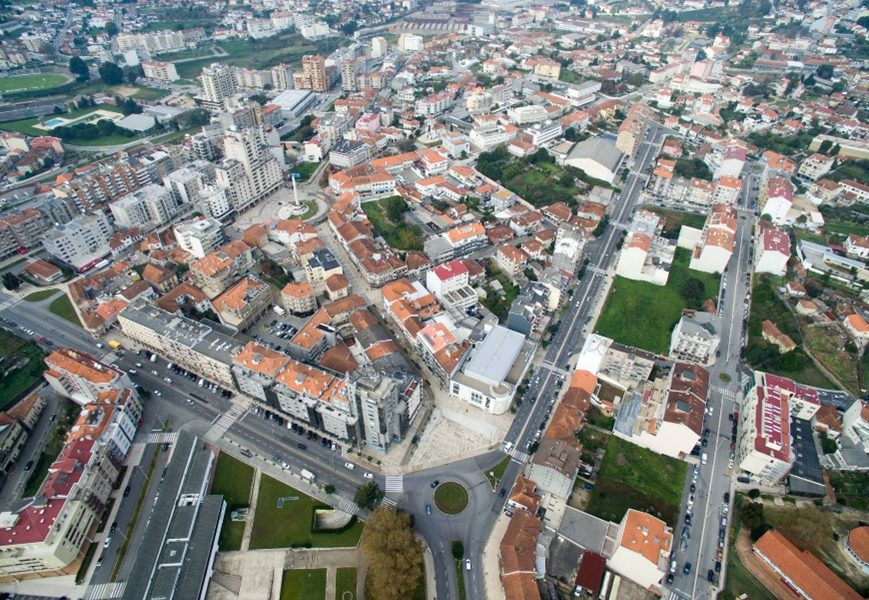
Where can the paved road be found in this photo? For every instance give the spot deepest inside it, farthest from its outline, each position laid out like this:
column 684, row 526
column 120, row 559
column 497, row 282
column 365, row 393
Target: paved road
column 12, row 486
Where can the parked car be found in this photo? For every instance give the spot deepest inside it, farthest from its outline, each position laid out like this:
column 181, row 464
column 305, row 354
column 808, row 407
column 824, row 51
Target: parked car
column 435, row 483
column 687, row 569
column 428, row 509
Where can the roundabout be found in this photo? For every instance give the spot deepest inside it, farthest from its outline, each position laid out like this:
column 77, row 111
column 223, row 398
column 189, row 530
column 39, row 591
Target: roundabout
column 451, row 498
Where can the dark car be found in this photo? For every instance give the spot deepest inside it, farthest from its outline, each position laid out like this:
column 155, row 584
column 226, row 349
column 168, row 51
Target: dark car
column 687, row 568
column 503, row 492
column 113, row 528
column 29, row 465
column 302, row 446
column 693, row 488
column 687, row 519
column 710, row 575
column 126, row 491
column 670, row 577
column 435, row 483
column 718, row 566
column 726, row 497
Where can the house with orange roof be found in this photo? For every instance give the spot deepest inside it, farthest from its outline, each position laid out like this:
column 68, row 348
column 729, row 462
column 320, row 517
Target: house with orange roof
column 643, row 550
column 217, row 270
column 408, row 305
column 243, row 303
column 160, row 278
column 313, row 338
column 337, row 286
column 800, row 571
column 299, row 298
column 713, row 250
column 439, row 349
column 518, row 552
column 255, row 368
column 773, row 335
column 81, row 377
column 511, row 260
column 856, row 326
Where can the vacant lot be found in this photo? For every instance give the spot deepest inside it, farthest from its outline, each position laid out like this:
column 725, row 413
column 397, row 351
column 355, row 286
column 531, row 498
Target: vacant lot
column 22, row 367
column 642, row 314
column 633, row 477
column 389, row 225
column 233, row 480
column 828, row 346
column 852, row 489
column 292, row 525
column 674, row 219
column 304, row 584
column 23, row 83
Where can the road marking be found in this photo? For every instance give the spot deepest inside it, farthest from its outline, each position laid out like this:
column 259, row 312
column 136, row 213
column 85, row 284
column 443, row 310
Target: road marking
column 394, row 484
column 225, row 421
column 105, row 591
column 517, row 456
column 387, row 501
column 158, row 437
column 346, row 505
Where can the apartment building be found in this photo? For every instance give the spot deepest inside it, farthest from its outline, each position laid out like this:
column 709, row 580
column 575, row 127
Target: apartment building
column 299, row 298
column 162, row 71
column 320, row 264
column 217, row 270
column 695, row 338
column 440, row 350
column 642, row 554
column 816, row 166
column 632, row 130
column 456, row 242
column 81, row 377
column 243, row 303
column 154, row 42
column 772, row 252
column 200, row 236
column 22, row 230
column 249, row 172
column 95, row 187
column 646, row 255
column 715, row 246
column 313, row 74
column 511, row 260
column 776, row 199
column 81, row 243
column 218, row 84
column 349, row 153
column 450, row 283
column 145, row 209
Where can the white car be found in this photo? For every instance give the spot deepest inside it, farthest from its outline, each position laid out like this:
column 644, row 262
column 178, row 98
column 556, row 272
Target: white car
column 368, row 475
column 189, row 401
column 158, row 393
column 350, row 465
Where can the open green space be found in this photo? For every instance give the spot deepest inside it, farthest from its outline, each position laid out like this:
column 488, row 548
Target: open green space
column 387, row 218
column 495, row 302
column 451, row 498
column 62, row 307
column 642, row 314
column 841, row 362
column 303, row 584
column 306, row 169
column 536, row 178
column 846, row 220
column 345, row 583
column 495, row 474
column 232, row 479
column 22, row 367
column 140, row 92
column 312, row 210
column 40, row 295
column 460, row 579
column 21, row 83
column 852, row 489
column 674, row 219
column 292, row 526
column 633, row 477
column 27, row 125
column 66, row 416
column 762, row 355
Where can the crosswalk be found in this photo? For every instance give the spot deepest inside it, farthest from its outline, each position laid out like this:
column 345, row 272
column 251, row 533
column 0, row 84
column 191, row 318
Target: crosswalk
column 597, row 270
column 346, row 505
column 394, row 484
column 105, row 591
column 518, row 456
column 387, row 501
column 225, row 421
column 548, row 365
column 159, row 437
column 727, row 393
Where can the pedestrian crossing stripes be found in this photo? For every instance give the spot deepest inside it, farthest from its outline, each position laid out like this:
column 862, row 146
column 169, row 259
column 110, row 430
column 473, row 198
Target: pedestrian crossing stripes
column 597, row 270
column 159, row 437
column 394, row 484
column 105, row 591
column 725, row 392
column 347, row 505
column 226, row 421
column 387, row 501
column 518, row 456
column 554, row 369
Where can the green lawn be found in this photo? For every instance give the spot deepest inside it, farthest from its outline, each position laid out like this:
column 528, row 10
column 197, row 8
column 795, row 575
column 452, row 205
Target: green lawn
column 312, row 210
column 292, row 525
column 22, row 367
column 495, row 474
column 232, row 479
column 399, row 235
column 460, row 579
column 451, row 498
column 642, row 314
column 633, row 477
column 26, row 125
column 345, row 581
column 140, row 92
column 40, row 295
column 22, row 83
column 499, row 305
column 304, row 584
column 674, row 219
column 852, row 489
column 306, row 169
column 62, row 307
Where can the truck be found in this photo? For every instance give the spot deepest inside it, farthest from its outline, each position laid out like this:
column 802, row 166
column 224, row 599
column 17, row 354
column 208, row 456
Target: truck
column 115, row 344
column 307, row 475
column 278, row 310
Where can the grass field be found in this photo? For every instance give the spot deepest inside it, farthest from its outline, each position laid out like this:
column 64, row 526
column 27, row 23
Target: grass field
column 139, row 92
column 674, row 219
column 26, row 125
column 40, row 295
column 304, row 584
column 21, row 83
column 460, row 579
column 400, row 236
column 345, row 581
column 291, row 526
column 495, row 474
column 642, row 314
column 633, row 477
column 451, row 498
column 312, row 210
column 306, row 169
column 22, row 367
column 232, row 479
column 62, row 307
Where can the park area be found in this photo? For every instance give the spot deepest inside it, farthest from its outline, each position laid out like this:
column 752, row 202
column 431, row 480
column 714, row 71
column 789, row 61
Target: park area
column 535, row 178
column 27, row 83
column 233, row 479
column 304, row 584
column 62, row 307
column 642, row 314
column 22, row 367
column 387, row 218
column 633, row 477
column 285, row 519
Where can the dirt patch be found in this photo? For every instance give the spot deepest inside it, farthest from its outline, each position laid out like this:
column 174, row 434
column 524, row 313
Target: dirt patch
column 621, row 460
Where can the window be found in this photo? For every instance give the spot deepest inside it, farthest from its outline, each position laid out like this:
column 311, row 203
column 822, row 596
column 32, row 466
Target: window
column 455, row 391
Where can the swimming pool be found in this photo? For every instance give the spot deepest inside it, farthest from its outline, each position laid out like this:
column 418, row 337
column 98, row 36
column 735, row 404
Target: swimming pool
column 53, row 122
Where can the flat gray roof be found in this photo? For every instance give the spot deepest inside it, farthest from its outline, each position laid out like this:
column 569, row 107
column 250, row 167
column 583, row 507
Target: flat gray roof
column 494, row 357
column 598, row 149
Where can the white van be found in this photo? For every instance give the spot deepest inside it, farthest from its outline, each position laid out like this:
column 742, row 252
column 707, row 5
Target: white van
column 201, row 381
column 703, row 458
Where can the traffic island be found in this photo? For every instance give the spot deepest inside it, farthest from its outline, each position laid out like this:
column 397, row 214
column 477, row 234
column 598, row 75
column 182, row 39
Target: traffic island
column 451, row 498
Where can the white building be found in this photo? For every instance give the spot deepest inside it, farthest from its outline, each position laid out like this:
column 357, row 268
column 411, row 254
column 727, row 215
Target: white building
column 522, row 115
column 250, row 172
column 490, row 372
column 449, row 283
column 597, row 157
column 82, row 242
column 778, row 197
column 772, row 252
column 715, row 247
column 695, row 338
column 646, row 255
column 200, row 236
column 378, row 47
column 156, row 69
column 218, row 83
column 147, row 208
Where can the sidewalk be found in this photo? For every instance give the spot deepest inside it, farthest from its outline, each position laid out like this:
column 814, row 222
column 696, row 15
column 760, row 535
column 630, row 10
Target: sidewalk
column 492, row 559
column 248, row 524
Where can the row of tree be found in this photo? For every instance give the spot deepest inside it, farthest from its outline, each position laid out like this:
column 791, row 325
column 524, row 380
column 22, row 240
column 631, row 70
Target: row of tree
column 109, row 72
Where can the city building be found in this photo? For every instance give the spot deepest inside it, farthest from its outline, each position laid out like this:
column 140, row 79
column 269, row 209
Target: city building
column 313, row 74
column 81, row 377
column 642, row 554
column 646, row 255
column 145, row 209
column 491, row 370
column 450, row 284
column 857, row 547
column 200, row 236
column 772, row 252
column 217, row 270
column 81, row 243
column 299, row 298
column 597, row 157
column 249, row 172
column 243, row 303
column 162, row 71
column 695, row 338
column 218, row 84
column 715, row 246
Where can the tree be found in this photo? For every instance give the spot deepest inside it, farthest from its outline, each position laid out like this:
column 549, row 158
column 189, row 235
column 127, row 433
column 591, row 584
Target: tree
column 329, row 488
column 131, row 74
column 395, row 208
column 754, row 493
column 130, row 107
column 693, row 291
column 458, row 549
column 111, row 73
column 752, row 515
column 368, row 495
column 828, row 445
column 111, row 29
column 394, row 555
column 10, row 281
column 825, row 71
column 79, row 68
